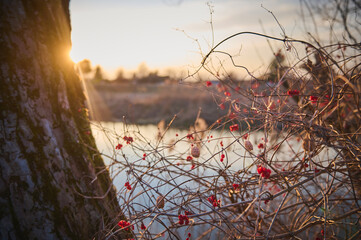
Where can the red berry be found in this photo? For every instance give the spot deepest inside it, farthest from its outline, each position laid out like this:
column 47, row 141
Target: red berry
column 221, row 106
column 245, row 136
column 128, row 139
column 234, row 127
column 313, row 99
column 293, row 92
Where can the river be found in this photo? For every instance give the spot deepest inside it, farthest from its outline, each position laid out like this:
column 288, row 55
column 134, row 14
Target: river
column 164, row 170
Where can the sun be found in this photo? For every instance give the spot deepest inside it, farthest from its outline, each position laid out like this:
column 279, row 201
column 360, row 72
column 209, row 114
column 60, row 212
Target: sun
column 74, row 56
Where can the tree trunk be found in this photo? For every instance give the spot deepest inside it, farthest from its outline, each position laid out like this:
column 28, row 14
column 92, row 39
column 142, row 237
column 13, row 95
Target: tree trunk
column 48, row 162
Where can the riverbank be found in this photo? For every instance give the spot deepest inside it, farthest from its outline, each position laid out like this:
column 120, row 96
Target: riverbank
column 152, row 103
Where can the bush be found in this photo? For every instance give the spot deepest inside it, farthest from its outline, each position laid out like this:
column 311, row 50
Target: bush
column 283, row 164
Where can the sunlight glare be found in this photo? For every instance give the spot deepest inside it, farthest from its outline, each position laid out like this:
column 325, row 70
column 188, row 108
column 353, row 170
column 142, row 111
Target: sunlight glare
column 74, row 56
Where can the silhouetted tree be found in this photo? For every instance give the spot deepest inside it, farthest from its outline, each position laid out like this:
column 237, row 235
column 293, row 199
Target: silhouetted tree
column 143, row 70
column 98, row 75
column 120, row 75
column 85, row 66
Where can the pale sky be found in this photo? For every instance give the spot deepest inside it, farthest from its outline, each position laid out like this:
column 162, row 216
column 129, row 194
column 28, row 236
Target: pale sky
column 125, row 33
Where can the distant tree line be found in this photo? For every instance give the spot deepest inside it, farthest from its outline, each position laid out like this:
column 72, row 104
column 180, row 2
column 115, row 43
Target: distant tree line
column 142, row 74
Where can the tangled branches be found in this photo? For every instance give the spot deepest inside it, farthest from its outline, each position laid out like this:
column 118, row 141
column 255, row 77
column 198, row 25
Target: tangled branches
column 282, row 163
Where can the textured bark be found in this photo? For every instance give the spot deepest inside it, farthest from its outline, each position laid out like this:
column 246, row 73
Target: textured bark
column 48, row 158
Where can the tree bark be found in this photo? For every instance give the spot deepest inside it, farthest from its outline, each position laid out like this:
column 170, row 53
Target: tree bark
column 48, row 160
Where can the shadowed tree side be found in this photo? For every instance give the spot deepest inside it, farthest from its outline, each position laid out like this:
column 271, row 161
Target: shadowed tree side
column 52, row 179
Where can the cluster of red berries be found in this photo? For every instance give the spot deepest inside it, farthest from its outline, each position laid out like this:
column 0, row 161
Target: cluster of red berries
column 142, row 226
column 293, row 92
column 213, row 200
column 189, row 158
column 128, row 139
column 190, row 136
column 228, row 94
column 265, row 172
column 119, row 146
column 189, row 235
column 222, row 157
column 144, row 155
column 235, row 186
column 234, row 127
column 125, row 225
column 127, row 185
column 313, row 99
column 260, row 145
column 183, row 219
column 208, row 83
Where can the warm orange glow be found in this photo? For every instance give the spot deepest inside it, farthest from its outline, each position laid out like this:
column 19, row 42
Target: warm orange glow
column 114, row 35
column 74, row 56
